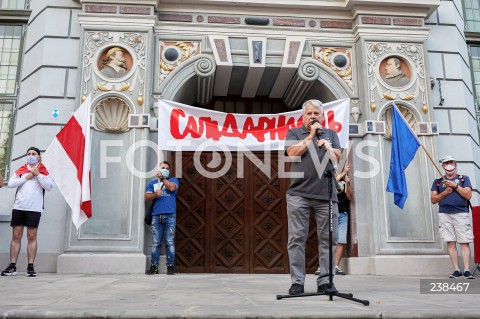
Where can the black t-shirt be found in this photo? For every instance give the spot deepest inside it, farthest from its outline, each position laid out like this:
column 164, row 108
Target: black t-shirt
column 313, row 184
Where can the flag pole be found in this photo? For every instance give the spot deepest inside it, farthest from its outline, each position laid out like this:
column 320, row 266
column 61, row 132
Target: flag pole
column 433, row 162
column 423, row 147
column 346, row 183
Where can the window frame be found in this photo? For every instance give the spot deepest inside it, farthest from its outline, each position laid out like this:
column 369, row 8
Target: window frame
column 12, row 98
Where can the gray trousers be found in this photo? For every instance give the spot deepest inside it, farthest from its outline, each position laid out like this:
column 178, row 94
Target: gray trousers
column 298, row 213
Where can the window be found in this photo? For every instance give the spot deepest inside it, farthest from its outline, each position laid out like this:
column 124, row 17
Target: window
column 13, row 4
column 10, row 42
column 475, row 68
column 10, row 52
column 472, row 15
column 6, row 130
column 471, row 9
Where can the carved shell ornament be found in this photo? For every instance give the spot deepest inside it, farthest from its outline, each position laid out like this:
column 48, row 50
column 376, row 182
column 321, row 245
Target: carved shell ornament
column 337, row 59
column 387, row 117
column 111, row 115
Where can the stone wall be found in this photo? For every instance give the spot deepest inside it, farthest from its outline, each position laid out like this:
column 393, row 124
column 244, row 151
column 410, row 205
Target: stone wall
column 449, row 68
column 48, row 81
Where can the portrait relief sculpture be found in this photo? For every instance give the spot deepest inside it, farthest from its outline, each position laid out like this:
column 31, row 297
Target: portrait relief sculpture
column 394, row 75
column 115, row 66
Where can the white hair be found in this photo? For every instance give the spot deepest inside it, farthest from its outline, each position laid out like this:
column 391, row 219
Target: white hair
column 315, row 103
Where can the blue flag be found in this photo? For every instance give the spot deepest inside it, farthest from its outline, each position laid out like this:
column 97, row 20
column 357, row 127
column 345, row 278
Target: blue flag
column 404, row 146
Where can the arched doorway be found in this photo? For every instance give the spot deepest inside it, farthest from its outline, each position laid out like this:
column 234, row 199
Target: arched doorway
column 236, row 224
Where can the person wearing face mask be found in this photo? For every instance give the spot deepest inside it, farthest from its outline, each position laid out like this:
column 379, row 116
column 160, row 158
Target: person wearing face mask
column 451, row 192
column 31, row 181
column 163, row 191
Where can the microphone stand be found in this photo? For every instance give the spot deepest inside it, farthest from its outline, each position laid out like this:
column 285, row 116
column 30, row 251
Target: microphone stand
column 329, row 174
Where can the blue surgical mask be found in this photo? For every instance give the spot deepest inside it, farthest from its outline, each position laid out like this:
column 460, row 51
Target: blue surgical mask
column 165, row 172
column 32, row 159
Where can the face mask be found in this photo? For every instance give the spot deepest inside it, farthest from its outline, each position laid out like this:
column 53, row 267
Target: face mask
column 165, row 172
column 450, row 168
column 31, row 159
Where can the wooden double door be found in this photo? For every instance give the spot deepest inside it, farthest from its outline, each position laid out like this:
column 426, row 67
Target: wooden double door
column 232, row 224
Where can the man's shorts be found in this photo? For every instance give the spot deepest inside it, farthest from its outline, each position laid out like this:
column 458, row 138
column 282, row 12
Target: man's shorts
column 455, row 227
column 25, row 218
column 342, row 227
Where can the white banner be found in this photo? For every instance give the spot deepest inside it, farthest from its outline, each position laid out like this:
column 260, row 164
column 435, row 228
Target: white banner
column 184, row 127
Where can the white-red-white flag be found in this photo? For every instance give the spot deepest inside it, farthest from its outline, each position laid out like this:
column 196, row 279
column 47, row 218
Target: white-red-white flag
column 68, row 161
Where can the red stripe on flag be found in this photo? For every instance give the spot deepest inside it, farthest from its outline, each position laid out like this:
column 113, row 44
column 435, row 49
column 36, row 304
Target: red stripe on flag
column 73, row 142
column 87, row 205
column 87, row 208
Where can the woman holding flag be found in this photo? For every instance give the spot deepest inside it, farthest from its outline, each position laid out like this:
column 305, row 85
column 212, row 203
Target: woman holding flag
column 31, row 180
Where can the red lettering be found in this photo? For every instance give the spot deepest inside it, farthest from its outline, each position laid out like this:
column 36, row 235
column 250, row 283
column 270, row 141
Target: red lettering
column 231, row 124
column 250, row 128
column 332, row 124
column 211, row 128
column 277, row 127
column 267, row 125
column 283, row 126
column 192, row 128
column 174, row 124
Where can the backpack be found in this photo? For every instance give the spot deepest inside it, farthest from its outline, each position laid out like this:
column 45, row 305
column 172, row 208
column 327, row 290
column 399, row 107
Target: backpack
column 148, row 213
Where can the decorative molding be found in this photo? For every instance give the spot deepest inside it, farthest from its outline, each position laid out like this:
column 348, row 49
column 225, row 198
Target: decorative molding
column 174, row 53
column 336, row 24
column 407, row 114
column 127, row 21
column 175, row 17
column 90, row 8
column 135, row 10
column 337, row 59
column 376, row 20
column 406, row 83
column 223, row 19
column 202, row 66
column 133, row 44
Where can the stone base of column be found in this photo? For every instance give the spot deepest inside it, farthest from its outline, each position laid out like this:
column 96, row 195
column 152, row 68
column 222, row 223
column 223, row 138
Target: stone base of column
column 101, row 263
column 400, row 265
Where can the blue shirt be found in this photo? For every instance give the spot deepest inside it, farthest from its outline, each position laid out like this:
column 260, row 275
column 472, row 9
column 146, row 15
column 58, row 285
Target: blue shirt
column 166, row 203
column 452, row 203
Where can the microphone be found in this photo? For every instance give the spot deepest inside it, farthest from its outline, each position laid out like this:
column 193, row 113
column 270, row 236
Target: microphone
column 319, row 130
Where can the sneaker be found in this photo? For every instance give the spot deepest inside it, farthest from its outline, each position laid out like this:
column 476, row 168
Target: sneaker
column 455, row 274
column 11, row 270
column 31, row 271
column 467, row 274
column 317, row 273
column 170, row 270
column 327, row 288
column 153, row 270
column 338, row 271
column 295, row 289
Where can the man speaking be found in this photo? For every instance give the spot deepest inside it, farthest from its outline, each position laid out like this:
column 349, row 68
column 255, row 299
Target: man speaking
column 310, row 144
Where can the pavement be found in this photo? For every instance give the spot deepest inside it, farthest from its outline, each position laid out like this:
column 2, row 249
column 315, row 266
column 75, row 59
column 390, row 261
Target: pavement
column 209, row 296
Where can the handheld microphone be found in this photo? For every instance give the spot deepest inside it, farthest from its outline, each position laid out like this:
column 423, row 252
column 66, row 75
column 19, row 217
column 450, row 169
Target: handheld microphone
column 319, row 130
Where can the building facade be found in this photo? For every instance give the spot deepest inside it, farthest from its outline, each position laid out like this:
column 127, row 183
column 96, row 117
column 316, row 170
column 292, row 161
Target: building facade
column 239, row 57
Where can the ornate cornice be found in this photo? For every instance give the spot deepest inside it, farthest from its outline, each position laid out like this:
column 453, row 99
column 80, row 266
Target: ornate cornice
column 421, row 8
